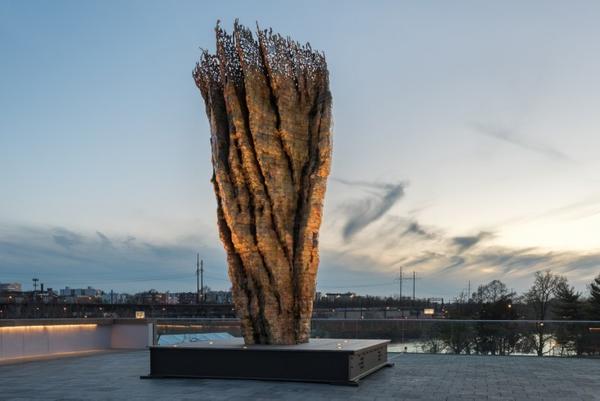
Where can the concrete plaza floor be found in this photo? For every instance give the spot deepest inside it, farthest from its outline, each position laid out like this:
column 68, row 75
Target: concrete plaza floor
column 115, row 376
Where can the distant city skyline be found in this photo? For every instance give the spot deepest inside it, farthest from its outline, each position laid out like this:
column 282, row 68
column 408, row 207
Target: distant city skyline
column 465, row 142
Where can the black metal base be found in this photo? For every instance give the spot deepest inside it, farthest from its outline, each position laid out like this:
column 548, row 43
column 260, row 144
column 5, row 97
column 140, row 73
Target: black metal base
column 334, row 361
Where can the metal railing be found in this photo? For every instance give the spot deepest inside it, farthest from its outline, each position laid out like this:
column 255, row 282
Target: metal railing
column 472, row 337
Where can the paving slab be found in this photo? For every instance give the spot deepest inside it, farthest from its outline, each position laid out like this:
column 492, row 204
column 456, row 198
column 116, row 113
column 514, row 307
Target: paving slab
column 115, row 376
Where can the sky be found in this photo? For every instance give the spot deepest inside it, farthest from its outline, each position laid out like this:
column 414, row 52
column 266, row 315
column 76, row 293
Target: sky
column 465, row 142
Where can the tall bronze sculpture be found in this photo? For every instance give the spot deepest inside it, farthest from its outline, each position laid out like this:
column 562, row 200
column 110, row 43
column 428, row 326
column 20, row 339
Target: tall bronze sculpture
column 269, row 107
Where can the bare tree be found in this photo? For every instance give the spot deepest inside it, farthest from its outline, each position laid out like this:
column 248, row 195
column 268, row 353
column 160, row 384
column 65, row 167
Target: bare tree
column 492, row 292
column 538, row 297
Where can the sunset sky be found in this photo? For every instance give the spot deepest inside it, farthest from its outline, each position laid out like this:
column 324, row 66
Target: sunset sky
column 465, row 142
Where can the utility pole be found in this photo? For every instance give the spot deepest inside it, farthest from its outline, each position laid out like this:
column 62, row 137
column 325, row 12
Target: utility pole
column 198, row 278
column 34, row 296
column 400, row 284
column 414, row 281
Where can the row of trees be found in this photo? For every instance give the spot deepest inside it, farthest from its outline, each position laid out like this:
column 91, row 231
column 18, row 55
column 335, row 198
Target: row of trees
column 549, row 297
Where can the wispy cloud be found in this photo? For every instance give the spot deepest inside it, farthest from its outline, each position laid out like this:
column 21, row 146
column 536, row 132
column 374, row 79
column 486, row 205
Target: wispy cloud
column 445, row 272
column 66, row 238
column 103, row 239
column 572, row 211
column 464, row 243
column 448, row 261
column 513, row 137
column 363, row 212
column 416, row 229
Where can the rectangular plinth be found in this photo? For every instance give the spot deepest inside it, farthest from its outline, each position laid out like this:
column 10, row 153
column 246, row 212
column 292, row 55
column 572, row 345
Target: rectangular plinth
column 336, row 361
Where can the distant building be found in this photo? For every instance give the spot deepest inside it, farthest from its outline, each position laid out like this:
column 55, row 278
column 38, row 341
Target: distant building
column 76, row 292
column 80, row 295
column 151, row 297
column 10, row 287
column 187, row 298
column 218, row 297
column 11, row 293
column 48, row 296
column 114, row 298
column 172, row 299
column 210, row 297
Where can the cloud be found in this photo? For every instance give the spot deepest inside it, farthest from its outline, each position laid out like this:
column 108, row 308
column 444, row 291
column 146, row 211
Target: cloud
column 62, row 257
column 464, row 243
column 416, row 229
column 104, row 239
column 66, row 238
column 362, row 213
column 512, row 137
column 454, row 262
column 444, row 270
column 340, row 271
column 517, row 266
column 134, row 265
column 443, row 262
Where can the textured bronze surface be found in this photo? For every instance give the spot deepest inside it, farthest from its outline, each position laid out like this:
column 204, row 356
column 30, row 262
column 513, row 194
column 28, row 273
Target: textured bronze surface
column 269, row 107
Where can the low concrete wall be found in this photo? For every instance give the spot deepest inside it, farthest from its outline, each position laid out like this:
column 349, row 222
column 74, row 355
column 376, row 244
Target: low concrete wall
column 37, row 338
column 132, row 336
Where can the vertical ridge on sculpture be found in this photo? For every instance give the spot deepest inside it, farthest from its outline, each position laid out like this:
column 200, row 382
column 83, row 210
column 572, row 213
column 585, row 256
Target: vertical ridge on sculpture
column 269, row 107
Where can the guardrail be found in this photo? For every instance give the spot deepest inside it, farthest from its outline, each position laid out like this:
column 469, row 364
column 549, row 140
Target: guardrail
column 34, row 338
column 482, row 337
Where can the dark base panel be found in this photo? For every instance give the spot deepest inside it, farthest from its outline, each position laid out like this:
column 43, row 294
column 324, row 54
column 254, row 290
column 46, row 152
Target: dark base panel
column 327, row 361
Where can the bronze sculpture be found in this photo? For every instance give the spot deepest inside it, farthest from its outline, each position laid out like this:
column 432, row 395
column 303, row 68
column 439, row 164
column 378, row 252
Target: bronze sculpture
column 269, row 107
